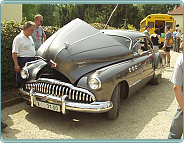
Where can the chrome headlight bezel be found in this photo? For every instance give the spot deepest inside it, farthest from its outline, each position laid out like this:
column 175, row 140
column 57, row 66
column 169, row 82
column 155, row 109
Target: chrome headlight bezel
column 94, row 83
column 24, row 73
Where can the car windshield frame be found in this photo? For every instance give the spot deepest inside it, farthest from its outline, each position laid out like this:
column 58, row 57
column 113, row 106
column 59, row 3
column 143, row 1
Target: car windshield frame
column 120, row 40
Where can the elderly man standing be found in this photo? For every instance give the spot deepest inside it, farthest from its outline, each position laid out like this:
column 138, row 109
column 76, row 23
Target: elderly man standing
column 23, row 49
column 174, row 39
column 178, row 40
column 38, row 34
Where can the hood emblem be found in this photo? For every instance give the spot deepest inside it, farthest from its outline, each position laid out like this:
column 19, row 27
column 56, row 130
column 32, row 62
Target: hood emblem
column 66, row 45
column 52, row 63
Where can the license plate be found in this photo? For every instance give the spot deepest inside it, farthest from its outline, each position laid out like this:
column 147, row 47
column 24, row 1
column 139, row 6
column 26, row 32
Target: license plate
column 48, row 106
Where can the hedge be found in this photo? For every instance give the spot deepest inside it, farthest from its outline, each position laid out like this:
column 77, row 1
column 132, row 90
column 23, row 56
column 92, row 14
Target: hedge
column 8, row 32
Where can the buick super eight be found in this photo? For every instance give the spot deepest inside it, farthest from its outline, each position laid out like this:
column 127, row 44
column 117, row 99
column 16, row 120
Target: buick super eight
column 80, row 68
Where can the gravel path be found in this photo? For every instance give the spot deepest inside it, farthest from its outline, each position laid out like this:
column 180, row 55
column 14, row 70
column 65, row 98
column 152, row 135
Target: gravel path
column 145, row 115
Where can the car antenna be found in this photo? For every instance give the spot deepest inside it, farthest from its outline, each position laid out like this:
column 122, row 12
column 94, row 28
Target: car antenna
column 110, row 16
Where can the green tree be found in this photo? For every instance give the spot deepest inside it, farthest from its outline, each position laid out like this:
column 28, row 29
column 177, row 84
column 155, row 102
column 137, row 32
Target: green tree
column 157, row 8
column 29, row 11
column 48, row 13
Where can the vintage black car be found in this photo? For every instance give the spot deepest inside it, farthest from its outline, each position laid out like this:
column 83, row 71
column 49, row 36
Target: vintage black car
column 80, row 68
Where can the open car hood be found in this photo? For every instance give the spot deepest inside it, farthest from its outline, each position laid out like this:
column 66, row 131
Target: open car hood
column 78, row 48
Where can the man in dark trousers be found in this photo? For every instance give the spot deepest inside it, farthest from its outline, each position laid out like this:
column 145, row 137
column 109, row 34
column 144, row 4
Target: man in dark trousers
column 23, row 49
column 176, row 128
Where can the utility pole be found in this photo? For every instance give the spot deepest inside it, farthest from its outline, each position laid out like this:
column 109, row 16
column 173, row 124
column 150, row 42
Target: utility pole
column 125, row 20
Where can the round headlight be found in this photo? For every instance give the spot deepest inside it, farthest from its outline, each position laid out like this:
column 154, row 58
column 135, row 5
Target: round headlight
column 94, row 83
column 24, row 73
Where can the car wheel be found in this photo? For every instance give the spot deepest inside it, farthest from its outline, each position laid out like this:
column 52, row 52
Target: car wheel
column 156, row 81
column 115, row 99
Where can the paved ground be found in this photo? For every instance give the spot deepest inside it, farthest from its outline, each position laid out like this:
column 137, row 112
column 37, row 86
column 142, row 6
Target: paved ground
column 145, row 115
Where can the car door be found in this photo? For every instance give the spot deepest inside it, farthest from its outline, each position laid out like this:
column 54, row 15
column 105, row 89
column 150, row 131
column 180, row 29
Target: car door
column 141, row 63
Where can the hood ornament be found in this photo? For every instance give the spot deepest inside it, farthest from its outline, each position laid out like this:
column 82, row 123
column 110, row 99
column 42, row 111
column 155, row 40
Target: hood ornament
column 66, row 45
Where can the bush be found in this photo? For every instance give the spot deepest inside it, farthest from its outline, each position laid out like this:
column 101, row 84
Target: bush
column 8, row 32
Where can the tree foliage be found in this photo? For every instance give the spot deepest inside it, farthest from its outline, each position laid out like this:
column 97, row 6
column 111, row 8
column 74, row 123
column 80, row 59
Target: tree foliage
column 61, row 14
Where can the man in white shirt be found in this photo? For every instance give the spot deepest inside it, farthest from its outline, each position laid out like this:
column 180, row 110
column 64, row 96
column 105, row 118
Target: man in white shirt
column 176, row 129
column 23, row 49
column 178, row 40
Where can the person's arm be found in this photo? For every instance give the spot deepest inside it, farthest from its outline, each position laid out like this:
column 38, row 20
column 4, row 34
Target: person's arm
column 179, row 95
column 17, row 67
column 166, row 42
column 159, row 39
column 44, row 38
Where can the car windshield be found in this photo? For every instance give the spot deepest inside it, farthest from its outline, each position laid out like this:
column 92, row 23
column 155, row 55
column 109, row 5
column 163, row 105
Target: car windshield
column 124, row 41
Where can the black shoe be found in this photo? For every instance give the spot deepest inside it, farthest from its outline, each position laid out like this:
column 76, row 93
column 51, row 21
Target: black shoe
column 3, row 125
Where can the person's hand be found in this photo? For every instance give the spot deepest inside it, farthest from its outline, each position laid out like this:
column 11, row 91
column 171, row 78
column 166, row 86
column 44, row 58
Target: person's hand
column 163, row 48
column 17, row 68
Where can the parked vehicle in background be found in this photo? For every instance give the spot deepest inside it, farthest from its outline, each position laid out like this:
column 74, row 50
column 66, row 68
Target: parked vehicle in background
column 158, row 21
column 80, row 68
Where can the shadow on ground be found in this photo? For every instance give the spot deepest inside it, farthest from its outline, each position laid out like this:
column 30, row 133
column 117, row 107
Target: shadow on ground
column 135, row 113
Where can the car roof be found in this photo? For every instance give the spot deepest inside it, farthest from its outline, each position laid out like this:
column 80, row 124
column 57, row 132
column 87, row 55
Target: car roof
column 126, row 33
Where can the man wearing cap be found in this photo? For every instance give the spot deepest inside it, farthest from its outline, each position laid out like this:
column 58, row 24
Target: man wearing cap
column 147, row 29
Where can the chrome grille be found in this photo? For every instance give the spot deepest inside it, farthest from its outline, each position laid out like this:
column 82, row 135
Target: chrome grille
column 58, row 89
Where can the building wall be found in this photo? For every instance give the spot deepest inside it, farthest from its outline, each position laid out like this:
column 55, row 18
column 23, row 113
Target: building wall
column 11, row 12
column 179, row 20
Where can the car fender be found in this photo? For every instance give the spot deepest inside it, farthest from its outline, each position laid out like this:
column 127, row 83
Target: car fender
column 109, row 76
column 34, row 67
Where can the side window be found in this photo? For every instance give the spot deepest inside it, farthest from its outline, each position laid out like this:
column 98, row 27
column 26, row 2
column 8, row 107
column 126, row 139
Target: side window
column 151, row 24
column 139, row 45
column 149, row 45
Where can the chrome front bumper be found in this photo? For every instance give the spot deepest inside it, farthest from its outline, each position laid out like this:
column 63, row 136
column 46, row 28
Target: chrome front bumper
column 94, row 107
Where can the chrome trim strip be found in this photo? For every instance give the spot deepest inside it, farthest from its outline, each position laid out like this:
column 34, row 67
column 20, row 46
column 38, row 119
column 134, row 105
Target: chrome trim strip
column 66, row 90
column 73, row 95
column 87, row 97
column 39, row 87
column 83, row 98
column 53, row 89
column 57, row 89
column 50, row 88
column 43, row 87
column 63, row 91
column 47, row 88
column 60, row 90
column 76, row 95
column 70, row 94
column 80, row 96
